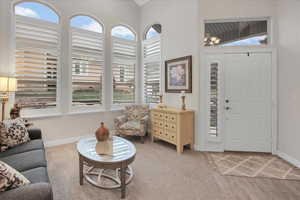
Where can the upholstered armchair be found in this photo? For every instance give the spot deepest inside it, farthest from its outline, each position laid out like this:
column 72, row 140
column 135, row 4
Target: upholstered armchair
column 133, row 122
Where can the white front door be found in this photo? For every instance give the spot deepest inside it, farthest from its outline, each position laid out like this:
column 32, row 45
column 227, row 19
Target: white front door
column 247, row 102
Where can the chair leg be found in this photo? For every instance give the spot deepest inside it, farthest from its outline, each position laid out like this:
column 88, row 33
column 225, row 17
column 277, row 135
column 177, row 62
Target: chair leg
column 142, row 139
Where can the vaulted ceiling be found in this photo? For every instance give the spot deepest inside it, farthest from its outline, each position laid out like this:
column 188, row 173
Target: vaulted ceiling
column 141, row 2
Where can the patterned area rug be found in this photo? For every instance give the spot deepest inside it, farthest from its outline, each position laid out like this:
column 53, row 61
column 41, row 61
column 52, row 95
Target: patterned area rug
column 253, row 165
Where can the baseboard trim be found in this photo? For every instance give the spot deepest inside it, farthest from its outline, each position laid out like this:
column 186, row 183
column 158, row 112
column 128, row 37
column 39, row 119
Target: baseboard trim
column 197, row 148
column 54, row 143
column 289, row 159
column 207, row 149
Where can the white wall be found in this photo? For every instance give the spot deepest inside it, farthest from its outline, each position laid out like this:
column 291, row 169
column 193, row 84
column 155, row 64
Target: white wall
column 289, row 81
column 73, row 126
column 180, row 37
column 183, row 32
column 110, row 13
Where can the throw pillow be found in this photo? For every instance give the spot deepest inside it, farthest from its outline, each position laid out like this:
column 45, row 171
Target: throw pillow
column 10, row 178
column 12, row 133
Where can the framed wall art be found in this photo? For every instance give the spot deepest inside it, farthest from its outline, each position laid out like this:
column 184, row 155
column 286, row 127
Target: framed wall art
column 178, row 75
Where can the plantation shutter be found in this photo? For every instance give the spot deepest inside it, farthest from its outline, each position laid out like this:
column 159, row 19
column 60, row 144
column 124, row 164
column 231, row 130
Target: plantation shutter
column 87, row 67
column 37, row 62
column 152, row 68
column 123, row 69
column 214, row 99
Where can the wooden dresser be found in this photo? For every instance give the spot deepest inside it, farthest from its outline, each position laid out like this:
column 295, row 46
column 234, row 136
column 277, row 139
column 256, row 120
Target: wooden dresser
column 173, row 126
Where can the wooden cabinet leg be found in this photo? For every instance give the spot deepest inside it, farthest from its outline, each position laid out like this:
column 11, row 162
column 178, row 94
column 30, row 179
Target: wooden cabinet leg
column 80, row 170
column 123, row 184
column 179, row 149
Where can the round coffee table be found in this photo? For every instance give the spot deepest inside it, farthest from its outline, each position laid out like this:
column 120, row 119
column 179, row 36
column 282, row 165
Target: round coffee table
column 121, row 153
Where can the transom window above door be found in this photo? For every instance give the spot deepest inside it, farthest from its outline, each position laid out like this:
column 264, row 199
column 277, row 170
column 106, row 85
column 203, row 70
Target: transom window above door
column 237, row 33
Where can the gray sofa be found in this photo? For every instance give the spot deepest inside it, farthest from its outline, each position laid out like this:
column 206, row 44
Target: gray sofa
column 30, row 160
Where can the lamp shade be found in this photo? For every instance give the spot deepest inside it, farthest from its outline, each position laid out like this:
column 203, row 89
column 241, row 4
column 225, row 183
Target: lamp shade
column 12, row 84
column 3, row 84
column 8, row 84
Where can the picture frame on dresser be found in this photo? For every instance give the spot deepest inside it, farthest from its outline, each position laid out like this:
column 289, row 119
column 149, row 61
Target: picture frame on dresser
column 178, row 75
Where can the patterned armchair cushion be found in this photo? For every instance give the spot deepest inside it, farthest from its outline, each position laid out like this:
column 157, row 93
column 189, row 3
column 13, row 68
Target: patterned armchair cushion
column 119, row 121
column 131, row 125
column 12, row 133
column 10, row 178
column 136, row 112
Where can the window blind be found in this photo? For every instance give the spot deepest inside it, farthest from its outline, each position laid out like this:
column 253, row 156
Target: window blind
column 152, row 68
column 37, row 62
column 87, row 67
column 123, row 70
column 214, row 98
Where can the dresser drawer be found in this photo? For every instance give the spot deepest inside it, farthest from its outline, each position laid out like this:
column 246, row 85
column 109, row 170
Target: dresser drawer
column 155, row 131
column 171, row 118
column 155, row 115
column 155, row 123
column 161, row 116
column 161, row 133
column 158, row 132
column 172, row 136
column 161, row 124
column 171, row 126
column 158, row 115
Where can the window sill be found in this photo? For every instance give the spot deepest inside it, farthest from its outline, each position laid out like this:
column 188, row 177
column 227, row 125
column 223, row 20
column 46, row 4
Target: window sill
column 39, row 116
column 57, row 114
column 82, row 112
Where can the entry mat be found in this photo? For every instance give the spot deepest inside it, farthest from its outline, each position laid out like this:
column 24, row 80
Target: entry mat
column 253, row 165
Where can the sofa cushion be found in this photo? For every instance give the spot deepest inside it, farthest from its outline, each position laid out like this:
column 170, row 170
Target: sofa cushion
column 29, row 146
column 37, row 175
column 27, row 160
column 10, row 178
column 35, row 191
column 12, row 133
column 35, row 133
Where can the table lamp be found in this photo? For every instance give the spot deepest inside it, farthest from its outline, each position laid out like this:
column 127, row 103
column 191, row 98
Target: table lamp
column 7, row 84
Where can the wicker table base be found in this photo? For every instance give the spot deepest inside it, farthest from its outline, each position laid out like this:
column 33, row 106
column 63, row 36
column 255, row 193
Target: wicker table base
column 98, row 177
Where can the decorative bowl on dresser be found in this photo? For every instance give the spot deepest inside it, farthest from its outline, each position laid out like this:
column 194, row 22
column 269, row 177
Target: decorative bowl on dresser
column 174, row 126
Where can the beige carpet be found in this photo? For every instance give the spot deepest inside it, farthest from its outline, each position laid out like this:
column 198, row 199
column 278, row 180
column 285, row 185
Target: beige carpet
column 254, row 165
column 161, row 174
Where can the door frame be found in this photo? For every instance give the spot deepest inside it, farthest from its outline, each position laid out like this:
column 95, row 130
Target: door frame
column 216, row 144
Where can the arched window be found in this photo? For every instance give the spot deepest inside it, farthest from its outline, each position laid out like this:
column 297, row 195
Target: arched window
column 37, row 55
column 86, row 23
column 124, row 49
column 152, row 64
column 123, row 32
column 87, row 61
column 153, row 31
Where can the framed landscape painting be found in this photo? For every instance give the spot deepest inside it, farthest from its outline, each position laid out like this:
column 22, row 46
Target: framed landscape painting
column 178, row 75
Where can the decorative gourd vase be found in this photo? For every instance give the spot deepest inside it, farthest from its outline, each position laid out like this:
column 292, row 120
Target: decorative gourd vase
column 102, row 133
